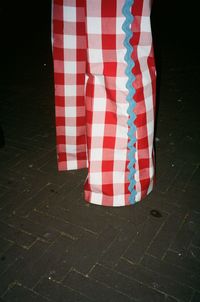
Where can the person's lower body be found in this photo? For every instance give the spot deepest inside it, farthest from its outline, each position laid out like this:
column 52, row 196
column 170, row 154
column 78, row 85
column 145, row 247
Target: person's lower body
column 105, row 96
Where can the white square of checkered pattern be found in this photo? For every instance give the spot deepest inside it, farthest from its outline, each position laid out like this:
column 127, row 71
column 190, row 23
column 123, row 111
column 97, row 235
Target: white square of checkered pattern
column 97, row 130
column 118, row 177
column 94, row 25
column 95, row 55
column 96, row 178
column 96, row 154
column 119, row 22
column 70, row 41
column 143, row 51
column 145, row 24
column 118, row 200
column 70, row 130
column 70, row 67
column 70, row 112
column 71, row 148
column 69, row 14
column 120, row 155
column 99, row 105
column 70, row 90
column 120, row 83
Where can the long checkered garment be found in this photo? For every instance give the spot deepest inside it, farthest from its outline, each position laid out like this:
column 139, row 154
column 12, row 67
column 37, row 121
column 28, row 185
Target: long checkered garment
column 105, row 78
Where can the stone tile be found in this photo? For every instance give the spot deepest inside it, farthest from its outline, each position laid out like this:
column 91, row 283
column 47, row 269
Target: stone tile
column 15, row 271
column 47, row 191
column 132, row 288
column 44, row 232
column 12, row 255
column 93, row 289
column 186, row 233
column 88, row 249
column 64, row 227
column 188, row 260
column 172, row 271
column 87, row 218
column 51, row 263
column 58, row 292
column 21, row 238
column 19, row 293
column 155, row 280
column 4, row 245
column 142, row 241
column 166, row 234
column 118, row 246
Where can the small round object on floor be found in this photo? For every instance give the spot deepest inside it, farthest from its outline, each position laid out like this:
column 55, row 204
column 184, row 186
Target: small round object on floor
column 156, row 213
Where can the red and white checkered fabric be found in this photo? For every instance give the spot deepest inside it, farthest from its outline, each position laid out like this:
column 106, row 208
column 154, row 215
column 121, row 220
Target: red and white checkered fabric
column 90, row 96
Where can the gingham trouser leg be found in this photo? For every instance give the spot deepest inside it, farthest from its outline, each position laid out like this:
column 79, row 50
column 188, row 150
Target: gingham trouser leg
column 91, row 96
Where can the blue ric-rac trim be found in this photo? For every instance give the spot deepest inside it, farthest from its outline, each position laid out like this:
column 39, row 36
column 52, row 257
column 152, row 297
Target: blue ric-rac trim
column 131, row 91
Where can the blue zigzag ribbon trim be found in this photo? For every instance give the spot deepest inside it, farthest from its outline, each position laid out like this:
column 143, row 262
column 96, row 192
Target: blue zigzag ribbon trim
column 131, row 91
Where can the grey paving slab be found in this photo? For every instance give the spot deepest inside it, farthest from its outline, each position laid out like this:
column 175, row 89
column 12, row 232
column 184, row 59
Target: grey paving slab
column 132, row 288
column 155, row 280
column 58, row 292
column 19, row 293
column 94, row 289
